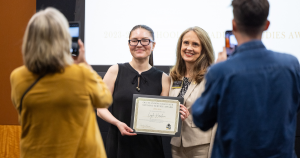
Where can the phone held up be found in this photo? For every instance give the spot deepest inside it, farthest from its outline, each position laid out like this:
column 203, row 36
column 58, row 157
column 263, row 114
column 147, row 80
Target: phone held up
column 230, row 42
column 74, row 32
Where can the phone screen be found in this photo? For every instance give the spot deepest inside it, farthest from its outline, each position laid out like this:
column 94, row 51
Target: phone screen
column 74, row 32
column 230, row 42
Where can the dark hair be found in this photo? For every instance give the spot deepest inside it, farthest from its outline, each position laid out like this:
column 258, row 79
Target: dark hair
column 152, row 34
column 250, row 15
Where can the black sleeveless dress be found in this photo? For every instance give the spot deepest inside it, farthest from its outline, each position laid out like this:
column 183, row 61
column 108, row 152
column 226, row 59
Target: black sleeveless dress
column 139, row 146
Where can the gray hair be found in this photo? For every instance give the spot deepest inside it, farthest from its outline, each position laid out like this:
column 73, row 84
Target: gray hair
column 47, row 42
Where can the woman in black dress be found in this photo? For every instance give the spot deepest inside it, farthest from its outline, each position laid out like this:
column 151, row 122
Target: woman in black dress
column 136, row 77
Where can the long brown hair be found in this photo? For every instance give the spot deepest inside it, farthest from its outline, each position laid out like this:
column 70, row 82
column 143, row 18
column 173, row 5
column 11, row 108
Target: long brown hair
column 205, row 59
column 152, row 34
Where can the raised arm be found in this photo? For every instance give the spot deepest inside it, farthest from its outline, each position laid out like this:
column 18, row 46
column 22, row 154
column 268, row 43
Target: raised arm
column 99, row 94
column 204, row 110
column 110, row 79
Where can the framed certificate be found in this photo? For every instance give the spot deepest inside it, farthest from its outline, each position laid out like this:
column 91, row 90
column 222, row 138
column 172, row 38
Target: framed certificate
column 156, row 115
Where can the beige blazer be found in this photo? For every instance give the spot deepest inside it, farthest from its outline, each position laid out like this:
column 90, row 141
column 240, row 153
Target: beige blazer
column 191, row 135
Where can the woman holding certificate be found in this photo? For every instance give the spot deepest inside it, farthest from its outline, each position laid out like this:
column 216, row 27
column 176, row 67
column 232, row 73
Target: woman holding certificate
column 194, row 55
column 136, row 77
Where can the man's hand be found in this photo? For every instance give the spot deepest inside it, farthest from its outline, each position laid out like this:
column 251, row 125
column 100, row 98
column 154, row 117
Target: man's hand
column 222, row 56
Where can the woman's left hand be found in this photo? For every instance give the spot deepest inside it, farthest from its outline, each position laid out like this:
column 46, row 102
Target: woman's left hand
column 184, row 112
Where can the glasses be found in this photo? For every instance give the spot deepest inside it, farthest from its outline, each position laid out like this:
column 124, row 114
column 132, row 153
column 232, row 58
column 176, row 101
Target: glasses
column 144, row 42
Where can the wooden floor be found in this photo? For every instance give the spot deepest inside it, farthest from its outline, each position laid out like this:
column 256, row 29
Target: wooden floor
column 10, row 141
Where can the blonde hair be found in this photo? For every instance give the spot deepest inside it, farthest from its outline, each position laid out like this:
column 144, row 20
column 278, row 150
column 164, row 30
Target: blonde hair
column 47, row 42
column 205, row 59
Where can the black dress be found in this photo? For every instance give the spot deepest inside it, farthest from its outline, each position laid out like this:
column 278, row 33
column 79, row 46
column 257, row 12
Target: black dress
column 139, row 146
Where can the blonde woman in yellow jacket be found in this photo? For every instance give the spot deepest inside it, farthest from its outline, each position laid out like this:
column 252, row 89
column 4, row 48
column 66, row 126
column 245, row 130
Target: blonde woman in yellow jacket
column 57, row 114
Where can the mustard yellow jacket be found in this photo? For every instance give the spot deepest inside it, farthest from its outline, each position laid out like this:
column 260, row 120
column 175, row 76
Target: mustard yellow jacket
column 58, row 118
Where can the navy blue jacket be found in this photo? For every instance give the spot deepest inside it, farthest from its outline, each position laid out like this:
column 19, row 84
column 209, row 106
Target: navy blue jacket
column 254, row 97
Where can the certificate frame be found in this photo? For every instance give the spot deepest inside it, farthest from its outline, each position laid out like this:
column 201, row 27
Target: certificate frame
column 133, row 123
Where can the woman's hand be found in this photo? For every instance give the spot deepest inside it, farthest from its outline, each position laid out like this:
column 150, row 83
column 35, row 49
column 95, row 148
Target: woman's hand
column 184, row 112
column 81, row 55
column 124, row 129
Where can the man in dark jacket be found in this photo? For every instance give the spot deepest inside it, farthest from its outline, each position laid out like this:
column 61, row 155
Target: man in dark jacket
column 254, row 96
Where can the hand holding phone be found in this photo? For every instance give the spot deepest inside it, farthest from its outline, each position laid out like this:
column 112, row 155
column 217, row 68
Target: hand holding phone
column 80, row 58
column 230, row 42
column 222, row 56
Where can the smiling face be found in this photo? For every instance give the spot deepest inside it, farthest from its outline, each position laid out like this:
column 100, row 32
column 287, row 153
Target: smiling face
column 140, row 51
column 190, row 47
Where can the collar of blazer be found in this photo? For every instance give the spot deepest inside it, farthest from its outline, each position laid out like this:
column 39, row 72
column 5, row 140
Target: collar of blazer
column 190, row 89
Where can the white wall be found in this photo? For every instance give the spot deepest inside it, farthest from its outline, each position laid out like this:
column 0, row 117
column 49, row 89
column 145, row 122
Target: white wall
column 108, row 23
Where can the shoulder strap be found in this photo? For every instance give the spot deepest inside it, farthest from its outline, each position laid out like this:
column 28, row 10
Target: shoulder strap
column 27, row 90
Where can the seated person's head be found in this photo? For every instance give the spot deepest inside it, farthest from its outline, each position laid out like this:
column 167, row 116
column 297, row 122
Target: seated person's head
column 47, row 42
column 250, row 16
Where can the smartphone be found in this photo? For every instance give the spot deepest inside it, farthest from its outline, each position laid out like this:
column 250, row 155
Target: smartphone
column 74, row 32
column 230, row 42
